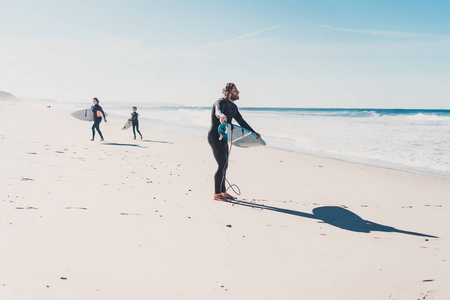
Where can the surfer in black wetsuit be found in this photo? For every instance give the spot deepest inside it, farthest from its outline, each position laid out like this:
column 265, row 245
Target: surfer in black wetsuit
column 223, row 111
column 97, row 110
column 135, row 122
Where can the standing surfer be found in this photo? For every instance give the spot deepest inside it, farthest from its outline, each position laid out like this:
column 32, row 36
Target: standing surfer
column 135, row 122
column 223, row 111
column 97, row 110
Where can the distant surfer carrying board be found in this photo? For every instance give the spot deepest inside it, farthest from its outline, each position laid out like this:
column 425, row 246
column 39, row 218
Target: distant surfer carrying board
column 135, row 122
column 223, row 111
column 97, row 110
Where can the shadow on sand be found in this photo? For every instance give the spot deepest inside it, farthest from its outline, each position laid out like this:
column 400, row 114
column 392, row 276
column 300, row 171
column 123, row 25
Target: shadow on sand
column 126, row 145
column 335, row 216
column 161, row 142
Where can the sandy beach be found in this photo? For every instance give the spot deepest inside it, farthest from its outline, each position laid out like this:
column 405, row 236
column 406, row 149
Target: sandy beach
column 135, row 219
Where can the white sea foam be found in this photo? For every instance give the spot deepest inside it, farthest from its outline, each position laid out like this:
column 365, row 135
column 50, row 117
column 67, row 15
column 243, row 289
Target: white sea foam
column 412, row 141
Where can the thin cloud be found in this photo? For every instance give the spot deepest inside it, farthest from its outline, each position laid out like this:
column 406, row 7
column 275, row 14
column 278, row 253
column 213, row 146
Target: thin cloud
column 253, row 33
column 388, row 34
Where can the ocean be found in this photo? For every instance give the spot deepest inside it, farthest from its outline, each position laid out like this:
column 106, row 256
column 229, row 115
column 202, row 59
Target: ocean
column 404, row 139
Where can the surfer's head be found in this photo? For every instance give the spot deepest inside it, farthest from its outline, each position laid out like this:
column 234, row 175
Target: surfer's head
column 134, row 108
column 95, row 101
column 230, row 92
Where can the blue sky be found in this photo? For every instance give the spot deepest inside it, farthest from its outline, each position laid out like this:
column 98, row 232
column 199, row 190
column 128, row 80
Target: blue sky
column 392, row 54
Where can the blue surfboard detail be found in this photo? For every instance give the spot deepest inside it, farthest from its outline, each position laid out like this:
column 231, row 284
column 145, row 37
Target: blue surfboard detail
column 239, row 136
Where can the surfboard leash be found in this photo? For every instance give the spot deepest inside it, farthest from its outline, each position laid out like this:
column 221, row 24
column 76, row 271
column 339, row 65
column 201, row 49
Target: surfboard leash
column 234, row 187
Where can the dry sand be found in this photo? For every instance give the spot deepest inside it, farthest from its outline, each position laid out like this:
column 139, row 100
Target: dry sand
column 135, row 219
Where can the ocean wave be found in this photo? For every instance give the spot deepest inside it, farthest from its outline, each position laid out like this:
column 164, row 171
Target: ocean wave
column 428, row 117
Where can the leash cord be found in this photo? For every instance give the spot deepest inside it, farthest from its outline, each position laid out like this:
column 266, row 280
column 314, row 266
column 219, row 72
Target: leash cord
column 234, row 187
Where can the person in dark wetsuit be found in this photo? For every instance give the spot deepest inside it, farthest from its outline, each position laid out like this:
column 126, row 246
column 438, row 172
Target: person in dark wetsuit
column 223, row 111
column 97, row 110
column 135, row 122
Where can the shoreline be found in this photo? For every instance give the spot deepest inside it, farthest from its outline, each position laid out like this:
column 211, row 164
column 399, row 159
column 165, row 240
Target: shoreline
column 177, row 129
column 427, row 167
column 382, row 165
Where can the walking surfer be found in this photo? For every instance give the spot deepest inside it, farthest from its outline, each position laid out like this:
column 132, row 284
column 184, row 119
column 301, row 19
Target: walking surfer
column 97, row 110
column 223, row 111
column 135, row 122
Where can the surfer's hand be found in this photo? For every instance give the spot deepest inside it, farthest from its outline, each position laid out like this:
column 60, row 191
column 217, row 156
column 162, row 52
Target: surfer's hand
column 223, row 119
column 259, row 136
column 106, row 121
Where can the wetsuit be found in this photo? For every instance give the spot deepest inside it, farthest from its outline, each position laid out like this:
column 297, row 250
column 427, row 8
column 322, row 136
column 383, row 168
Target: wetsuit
column 135, row 122
column 98, row 112
column 222, row 107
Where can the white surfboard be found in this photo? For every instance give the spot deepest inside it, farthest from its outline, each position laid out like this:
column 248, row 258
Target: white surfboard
column 84, row 114
column 127, row 125
column 239, row 136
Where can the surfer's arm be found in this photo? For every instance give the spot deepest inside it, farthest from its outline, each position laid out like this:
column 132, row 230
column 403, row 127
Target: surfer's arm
column 104, row 115
column 244, row 124
column 219, row 112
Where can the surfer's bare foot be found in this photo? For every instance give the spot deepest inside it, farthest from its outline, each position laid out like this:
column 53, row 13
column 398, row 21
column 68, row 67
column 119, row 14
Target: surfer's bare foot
column 92, row 140
column 219, row 197
column 228, row 196
column 134, row 138
column 102, row 140
column 141, row 136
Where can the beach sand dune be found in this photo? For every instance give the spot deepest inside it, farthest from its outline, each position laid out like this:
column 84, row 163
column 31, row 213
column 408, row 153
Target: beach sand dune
column 135, row 219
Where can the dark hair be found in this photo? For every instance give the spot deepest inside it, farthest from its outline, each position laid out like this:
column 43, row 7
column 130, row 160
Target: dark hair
column 96, row 100
column 227, row 89
column 134, row 107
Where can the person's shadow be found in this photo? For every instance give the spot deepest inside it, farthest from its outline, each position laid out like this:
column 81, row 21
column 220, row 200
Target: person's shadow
column 335, row 216
column 125, row 145
column 160, row 142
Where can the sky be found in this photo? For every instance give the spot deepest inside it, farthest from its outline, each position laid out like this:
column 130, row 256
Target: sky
column 322, row 53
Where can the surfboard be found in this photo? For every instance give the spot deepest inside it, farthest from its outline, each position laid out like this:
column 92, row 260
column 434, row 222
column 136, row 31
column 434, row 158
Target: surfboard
column 239, row 136
column 84, row 114
column 127, row 125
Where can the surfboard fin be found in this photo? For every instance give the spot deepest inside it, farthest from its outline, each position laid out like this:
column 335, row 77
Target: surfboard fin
column 223, row 131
